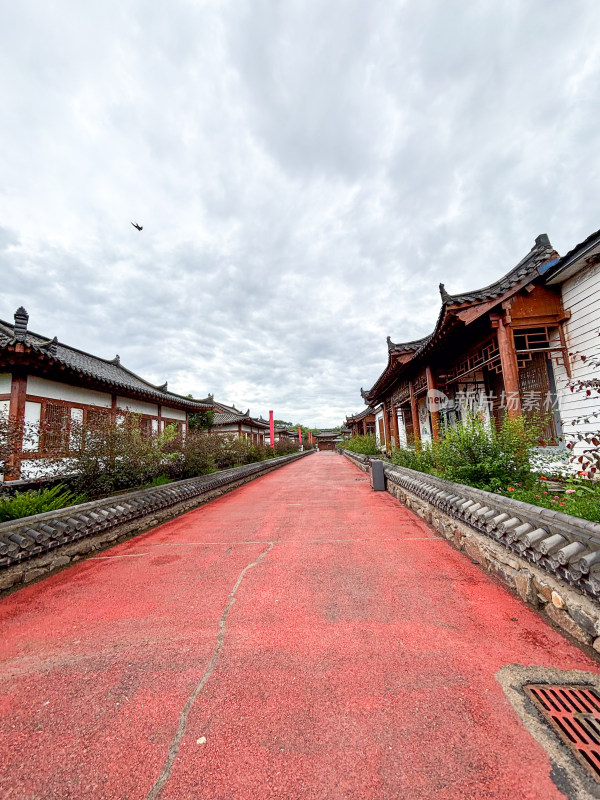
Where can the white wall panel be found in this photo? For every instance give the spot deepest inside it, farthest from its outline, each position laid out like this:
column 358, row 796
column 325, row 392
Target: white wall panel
column 31, row 438
column 173, row 413
column 137, row 406
column 5, row 382
column 54, row 390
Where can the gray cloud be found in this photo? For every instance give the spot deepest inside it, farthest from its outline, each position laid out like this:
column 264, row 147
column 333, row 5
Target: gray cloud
column 306, row 174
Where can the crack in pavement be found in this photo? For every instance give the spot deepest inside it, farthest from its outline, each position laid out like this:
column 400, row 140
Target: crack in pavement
column 165, row 774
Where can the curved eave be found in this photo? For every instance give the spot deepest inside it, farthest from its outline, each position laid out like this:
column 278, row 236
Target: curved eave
column 152, row 393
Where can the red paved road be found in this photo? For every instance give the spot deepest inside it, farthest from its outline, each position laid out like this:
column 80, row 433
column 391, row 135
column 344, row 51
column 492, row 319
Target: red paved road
column 356, row 661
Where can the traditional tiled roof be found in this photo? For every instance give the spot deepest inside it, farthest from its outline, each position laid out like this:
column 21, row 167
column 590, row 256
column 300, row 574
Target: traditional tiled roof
column 541, row 253
column 231, row 417
column 110, row 372
column 361, row 415
column 540, row 257
column 559, row 271
column 405, row 347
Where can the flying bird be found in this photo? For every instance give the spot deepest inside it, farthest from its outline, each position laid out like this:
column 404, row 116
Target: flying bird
column 139, row 227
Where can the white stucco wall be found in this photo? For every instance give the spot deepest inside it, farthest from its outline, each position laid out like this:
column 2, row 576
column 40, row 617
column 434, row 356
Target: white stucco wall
column 53, row 390
column 5, row 382
column 581, row 296
column 137, row 406
column 379, row 416
column 424, row 420
column 402, row 440
column 31, row 438
column 172, row 413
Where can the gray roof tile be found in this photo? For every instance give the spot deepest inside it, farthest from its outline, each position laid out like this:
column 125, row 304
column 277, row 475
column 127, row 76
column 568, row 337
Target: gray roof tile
column 110, row 372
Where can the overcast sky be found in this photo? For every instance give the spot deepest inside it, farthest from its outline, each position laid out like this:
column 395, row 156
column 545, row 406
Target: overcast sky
column 306, row 173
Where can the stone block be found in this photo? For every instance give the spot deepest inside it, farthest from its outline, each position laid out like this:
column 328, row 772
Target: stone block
column 524, row 587
column 543, row 590
column 34, row 574
column 60, row 561
column 10, row 579
column 474, row 551
column 584, row 620
column 557, row 600
column 564, row 621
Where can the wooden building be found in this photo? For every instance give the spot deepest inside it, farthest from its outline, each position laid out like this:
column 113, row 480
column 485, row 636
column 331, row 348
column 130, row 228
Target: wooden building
column 48, row 387
column 329, row 440
column 495, row 350
column 363, row 423
column 283, row 434
column 231, row 421
column 577, row 276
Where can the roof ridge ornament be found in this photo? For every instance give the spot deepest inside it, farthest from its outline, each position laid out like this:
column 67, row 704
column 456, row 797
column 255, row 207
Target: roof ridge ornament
column 50, row 346
column 446, row 298
column 542, row 240
column 390, row 344
column 163, row 388
column 116, row 360
column 21, row 320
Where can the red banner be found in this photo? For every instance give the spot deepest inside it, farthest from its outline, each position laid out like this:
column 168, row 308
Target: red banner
column 272, row 429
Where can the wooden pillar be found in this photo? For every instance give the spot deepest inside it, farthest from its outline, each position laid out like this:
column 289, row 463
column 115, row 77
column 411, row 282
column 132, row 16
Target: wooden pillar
column 386, row 427
column 364, row 426
column 414, row 411
column 16, row 415
column 395, row 426
column 435, row 417
column 510, row 368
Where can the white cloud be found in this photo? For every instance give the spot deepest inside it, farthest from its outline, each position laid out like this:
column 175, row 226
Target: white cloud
column 306, row 174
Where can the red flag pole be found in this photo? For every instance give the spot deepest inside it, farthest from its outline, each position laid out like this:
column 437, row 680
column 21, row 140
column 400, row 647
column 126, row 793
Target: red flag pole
column 272, row 429
column 299, row 434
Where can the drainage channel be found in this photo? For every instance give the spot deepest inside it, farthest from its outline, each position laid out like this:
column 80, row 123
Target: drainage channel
column 574, row 713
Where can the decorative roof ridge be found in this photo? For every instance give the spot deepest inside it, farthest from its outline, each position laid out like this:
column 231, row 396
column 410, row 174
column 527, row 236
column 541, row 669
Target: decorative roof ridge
column 50, row 346
column 403, row 347
column 541, row 251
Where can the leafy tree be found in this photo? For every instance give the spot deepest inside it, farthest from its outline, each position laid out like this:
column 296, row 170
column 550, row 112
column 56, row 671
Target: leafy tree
column 202, row 420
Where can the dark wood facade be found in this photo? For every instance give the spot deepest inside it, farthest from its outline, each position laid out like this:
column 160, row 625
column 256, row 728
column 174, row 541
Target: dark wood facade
column 492, row 350
column 363, row 423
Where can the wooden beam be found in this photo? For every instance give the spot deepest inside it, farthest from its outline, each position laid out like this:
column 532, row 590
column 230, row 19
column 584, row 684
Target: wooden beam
column 414, row 411
column 16, row 414
column 396, row 437
column 435, row 417
column 510, row 367
column 386, row 427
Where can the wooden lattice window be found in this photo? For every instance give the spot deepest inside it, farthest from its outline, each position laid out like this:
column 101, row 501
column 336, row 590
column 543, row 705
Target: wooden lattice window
column 95, row 418
column 536, row 395
column 146, row 427
column 56, row 428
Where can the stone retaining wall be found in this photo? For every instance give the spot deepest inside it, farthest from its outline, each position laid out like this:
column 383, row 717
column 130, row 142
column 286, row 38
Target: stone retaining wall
column 36, row 546
column 551, row 560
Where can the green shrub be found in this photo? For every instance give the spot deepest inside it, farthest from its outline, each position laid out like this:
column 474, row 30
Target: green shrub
column 161, row 480
column 25, row 504
column 477, row 454
column 367, row 445
column 480, row 455
column 420, row 460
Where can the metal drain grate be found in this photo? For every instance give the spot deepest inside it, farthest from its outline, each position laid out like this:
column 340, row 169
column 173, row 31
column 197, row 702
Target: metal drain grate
column 574, row 712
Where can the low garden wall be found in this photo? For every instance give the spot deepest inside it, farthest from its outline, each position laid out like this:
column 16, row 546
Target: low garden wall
column 551, row 560
column 33, row 547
